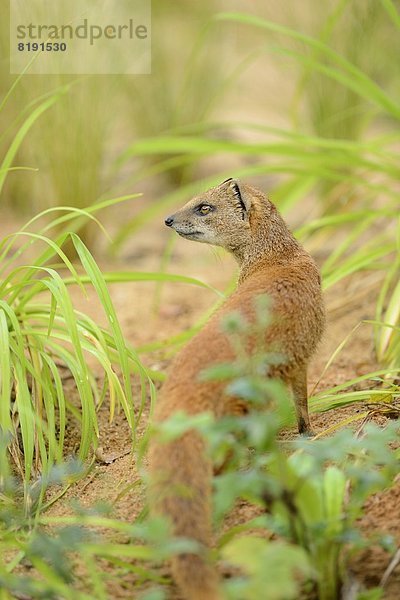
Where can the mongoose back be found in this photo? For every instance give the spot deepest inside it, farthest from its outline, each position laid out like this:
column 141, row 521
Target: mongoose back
column 242, row 220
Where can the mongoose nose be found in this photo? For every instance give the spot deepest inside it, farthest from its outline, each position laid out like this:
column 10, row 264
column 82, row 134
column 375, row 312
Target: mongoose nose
column 168, row 221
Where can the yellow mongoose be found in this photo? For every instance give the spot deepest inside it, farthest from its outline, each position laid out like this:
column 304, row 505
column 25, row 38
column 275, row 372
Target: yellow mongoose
column 241, row 219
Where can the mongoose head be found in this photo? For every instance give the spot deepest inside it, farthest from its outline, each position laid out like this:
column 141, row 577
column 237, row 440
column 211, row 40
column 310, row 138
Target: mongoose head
column 222, row 216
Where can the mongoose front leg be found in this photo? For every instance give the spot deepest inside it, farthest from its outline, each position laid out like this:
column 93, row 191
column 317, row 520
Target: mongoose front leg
column 299, row 388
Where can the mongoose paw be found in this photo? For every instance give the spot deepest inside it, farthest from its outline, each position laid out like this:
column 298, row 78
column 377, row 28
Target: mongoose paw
column 305, row 428
column 308, row 434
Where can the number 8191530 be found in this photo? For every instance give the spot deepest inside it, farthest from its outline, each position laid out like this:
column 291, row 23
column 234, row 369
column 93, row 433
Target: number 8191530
column 42, row 46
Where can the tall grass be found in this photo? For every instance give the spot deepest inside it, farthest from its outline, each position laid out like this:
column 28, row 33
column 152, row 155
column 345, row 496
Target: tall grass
column 333, row 110
column 173, row 97
column 41, row 332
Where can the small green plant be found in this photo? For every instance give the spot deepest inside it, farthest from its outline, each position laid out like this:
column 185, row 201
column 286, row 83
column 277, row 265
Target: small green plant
column 387, row 330
column 312, row 498
column 307, row 495
column 39, row 559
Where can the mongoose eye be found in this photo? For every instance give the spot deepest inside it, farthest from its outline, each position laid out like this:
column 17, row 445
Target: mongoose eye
column 204, row 209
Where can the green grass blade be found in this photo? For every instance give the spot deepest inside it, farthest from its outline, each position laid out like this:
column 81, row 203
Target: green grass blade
column 349, row 73
column 100, row 286
column 5, row 374
column 60, row 399
column 125, row 276
column 361, row 259
column 18, row 138
column 392, row 12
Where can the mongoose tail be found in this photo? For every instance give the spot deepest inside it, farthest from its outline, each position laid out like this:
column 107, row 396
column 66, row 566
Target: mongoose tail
column 184, row 494
column 243, row 221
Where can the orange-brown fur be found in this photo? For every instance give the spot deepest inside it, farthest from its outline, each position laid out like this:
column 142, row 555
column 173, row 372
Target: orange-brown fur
column 272, row 262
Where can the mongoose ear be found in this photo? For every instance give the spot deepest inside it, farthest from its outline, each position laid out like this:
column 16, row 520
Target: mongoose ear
column 240, row 195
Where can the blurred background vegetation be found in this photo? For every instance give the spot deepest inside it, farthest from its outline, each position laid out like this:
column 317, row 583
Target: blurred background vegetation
column 218, row 80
